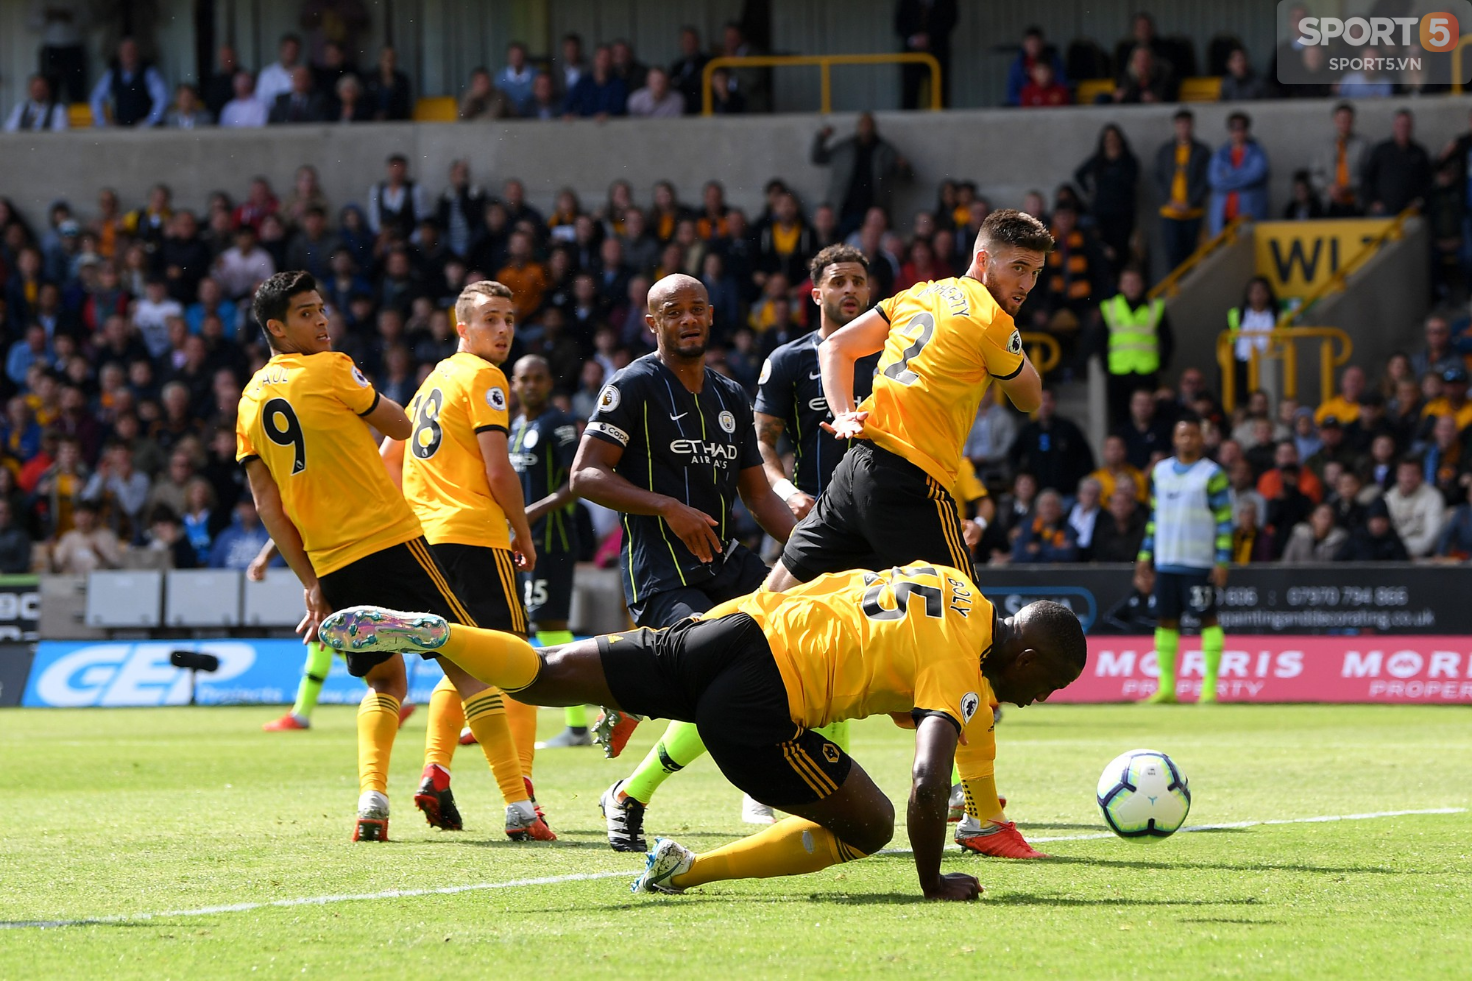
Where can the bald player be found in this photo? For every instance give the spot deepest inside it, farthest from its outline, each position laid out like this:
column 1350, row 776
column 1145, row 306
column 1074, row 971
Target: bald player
column 670, row 446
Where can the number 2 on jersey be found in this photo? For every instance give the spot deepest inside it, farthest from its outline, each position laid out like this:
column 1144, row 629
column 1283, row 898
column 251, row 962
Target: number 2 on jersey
column 427, row 432
column 283, row 428
column 905, row 589
column 900, row 370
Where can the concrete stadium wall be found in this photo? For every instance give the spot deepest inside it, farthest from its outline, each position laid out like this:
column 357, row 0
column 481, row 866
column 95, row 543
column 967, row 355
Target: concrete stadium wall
column 1008, row 152
column 1198, row 313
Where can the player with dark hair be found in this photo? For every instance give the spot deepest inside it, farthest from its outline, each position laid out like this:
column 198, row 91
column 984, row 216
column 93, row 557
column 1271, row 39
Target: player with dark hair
column 303, row 435
column 544, row 440
column 456, row 474
column 789, row 399
column 755, row 675
column 671, row 445
column 890, row 500
column 1183, row 558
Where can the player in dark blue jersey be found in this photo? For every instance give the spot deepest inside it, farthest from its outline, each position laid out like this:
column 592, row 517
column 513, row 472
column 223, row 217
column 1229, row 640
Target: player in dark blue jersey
column 790, row 397
column 670, row 445
column 544, row 441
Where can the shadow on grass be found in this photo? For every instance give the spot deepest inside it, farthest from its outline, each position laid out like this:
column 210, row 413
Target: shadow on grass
column 1227, row 919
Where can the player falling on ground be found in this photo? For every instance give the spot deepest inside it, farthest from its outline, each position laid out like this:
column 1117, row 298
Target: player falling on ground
column 890, row 498
column 789, row 399
column 456, row 473
column 342, row 526
column 757, row 674
column 671, row 445
column 1183, row 559
column 544, row 440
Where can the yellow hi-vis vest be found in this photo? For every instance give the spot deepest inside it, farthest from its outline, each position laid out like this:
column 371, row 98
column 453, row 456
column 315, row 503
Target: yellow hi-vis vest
column 1133, row 345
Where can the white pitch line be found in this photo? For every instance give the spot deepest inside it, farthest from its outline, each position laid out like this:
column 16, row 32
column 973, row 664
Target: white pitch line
column 553, row 880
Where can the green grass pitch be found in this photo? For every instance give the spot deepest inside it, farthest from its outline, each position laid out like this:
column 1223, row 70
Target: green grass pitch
column 118, row 813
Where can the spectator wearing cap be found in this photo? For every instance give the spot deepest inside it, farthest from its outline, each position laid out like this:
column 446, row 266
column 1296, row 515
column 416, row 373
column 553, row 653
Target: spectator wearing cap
column 1372, row 422
column 38, row 112
column 1416, row 508
column 1376, row 540
column 1452, row 402
column 1334, row 447
column 133, row 88
column 1345, row 405
column 1238, row 176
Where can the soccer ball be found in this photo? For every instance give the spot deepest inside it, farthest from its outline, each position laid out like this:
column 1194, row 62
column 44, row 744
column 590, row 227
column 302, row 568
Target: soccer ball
column 1144, row 795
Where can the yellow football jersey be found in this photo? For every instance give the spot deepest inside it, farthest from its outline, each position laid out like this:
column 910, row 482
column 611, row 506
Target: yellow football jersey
column 947, row 340
column 855, row 644
column 299, row 416
column 444, row 473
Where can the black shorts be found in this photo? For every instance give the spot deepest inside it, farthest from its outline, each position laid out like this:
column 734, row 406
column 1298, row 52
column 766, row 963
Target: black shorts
column 879, row 511
column 743, row 572
column 1184, row 592
column 485, row 579
column 547, row 589
column 720, row 675
column 402, row 577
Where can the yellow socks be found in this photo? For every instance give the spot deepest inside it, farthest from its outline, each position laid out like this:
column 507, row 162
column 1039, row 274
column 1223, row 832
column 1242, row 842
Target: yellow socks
column 485, row 713
column 378, row 723
column 446, row 719
column 523, row 721
column 790, row 847
column 504, row 660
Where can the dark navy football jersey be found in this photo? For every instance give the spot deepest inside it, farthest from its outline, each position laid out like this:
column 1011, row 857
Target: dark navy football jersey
column 791, row 388
column 542, row 450
column 686, row 446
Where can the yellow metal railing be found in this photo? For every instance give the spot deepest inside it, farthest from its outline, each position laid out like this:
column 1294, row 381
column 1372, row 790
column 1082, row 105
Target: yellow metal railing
column 1465, row 40
column 1042, row 350
column 1171, row 284
column 1336, row 281
column 824, row 62
column 1335, row 347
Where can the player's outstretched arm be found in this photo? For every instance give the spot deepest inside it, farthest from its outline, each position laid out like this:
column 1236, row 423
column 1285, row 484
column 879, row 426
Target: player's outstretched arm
column 387, row 416
column 930, row 788
column 593, row 479
column 506, row 489
column 288, row 542
column 769, row 510
column 1025, row 388
column 836, row 358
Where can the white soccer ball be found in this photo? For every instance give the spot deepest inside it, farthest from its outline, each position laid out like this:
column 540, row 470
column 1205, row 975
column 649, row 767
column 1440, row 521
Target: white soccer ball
column 1144, row 795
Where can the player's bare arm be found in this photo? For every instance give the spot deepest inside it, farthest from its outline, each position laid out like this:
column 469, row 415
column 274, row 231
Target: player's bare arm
column 1025, row 388
column 836, row 357
column 288, row 542
column 553, row 502
column 769, row 430
column 388, row 418
column 392, row 452
column 256, row 571
column 769, row 510
column 930, row 786
column 506, row 489
column 593, row 478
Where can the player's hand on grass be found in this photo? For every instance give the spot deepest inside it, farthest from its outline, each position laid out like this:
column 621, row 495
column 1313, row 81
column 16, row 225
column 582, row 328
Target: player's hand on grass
column 693, row 527
column 955, row 886
column 847, row 425
column 317, row 611
column 524, row 553
column 799, row 504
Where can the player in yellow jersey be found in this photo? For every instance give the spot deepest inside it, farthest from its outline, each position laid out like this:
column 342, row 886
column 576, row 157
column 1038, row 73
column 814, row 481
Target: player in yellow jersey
column 342, row 526
column 889, row 501
column 757, row 674
column 458, row 478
